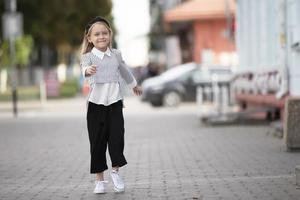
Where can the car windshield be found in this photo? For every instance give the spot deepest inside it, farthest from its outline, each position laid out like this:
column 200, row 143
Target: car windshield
column 178, row 71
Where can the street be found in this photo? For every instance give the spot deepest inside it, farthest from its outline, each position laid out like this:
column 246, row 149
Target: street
column 44, row 154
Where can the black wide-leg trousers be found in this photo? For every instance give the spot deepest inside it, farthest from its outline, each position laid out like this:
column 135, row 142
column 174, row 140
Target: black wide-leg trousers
column 106, row 128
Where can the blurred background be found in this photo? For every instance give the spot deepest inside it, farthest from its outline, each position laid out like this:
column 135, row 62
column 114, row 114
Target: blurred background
column 218, row 117
column 231, row 59
column 40, row 51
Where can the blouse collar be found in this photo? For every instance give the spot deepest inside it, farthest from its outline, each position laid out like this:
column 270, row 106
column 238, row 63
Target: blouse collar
column 100, row 53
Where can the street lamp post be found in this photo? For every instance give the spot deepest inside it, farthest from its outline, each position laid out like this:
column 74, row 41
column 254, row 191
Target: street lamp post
column 12, row 28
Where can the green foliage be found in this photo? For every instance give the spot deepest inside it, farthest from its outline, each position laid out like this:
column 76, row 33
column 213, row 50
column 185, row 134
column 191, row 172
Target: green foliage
column 23, row 47
column 59, row 21
column 69, row 88
column 4, row 55
column 57, row 25
column 24, row 93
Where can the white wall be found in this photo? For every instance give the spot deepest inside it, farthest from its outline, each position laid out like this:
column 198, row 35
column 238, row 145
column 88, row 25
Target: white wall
column 258, row 42
column 132, row 20
column 293, row 32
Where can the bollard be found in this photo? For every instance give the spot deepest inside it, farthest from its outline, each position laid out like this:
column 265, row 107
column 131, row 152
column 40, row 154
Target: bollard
column 291, row 124
column 216, row 95
column 43, row 95
column 199, row 99
column 297, row 172
column 225, row 96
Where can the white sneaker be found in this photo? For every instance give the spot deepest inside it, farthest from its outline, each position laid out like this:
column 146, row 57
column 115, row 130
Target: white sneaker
column 100, row 187
column 118, row 182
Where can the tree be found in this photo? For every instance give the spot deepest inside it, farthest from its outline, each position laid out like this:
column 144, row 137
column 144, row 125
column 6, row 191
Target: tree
column 23, row 46
column 59, row 24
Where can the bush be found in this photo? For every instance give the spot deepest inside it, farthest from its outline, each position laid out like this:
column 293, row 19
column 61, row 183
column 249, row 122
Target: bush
column 24, row 93
column 69, row 88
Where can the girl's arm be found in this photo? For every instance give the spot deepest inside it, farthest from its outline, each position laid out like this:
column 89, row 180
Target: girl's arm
column 86, row 66
column 127, row 75
column 125, row 72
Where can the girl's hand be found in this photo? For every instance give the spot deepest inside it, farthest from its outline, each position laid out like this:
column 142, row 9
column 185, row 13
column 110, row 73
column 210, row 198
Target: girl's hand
column 137, row 91
column 91, row 70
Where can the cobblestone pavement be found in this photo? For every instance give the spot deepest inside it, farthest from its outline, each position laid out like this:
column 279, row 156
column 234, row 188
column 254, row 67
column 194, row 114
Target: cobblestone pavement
column 45, row 155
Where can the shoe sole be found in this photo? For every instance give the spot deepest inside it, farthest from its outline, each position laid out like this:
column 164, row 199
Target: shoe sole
column 119, row 190
column 99, row 192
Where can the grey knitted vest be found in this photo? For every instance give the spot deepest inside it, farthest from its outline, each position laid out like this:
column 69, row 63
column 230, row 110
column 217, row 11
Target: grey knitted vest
column 107, row 68
column 110, row 69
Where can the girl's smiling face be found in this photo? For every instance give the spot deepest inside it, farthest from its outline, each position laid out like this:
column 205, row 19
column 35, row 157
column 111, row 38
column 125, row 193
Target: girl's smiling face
column 99, row 36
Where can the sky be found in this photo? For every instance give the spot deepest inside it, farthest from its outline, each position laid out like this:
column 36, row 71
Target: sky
column 132, row 21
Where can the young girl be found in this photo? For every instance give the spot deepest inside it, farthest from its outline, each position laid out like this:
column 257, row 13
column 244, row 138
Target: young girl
column 105, row 69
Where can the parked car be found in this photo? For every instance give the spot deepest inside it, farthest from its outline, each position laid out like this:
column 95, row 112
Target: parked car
column 179, row 83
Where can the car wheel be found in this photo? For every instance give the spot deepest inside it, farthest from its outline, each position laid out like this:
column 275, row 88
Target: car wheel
column 171, row 99
column 156, row 103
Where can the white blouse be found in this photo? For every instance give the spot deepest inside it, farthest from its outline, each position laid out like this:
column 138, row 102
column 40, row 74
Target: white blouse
column 105, row 93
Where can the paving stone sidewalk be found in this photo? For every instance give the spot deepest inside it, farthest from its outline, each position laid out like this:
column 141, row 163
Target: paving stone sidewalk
column 170, row 156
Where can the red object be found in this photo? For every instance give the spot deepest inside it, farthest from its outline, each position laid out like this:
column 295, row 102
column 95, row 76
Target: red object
column 52, row 84
column 85, row 89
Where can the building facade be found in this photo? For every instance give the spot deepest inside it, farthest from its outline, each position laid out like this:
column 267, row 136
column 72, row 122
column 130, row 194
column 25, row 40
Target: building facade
column 205, row 30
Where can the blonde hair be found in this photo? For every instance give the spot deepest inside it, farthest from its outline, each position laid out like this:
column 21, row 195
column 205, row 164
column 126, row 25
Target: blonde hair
column 87, row 46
